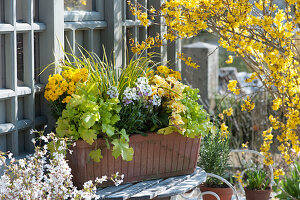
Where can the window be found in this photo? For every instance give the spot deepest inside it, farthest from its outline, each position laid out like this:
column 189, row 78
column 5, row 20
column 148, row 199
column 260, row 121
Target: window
column 83, row 5
column 21, row 11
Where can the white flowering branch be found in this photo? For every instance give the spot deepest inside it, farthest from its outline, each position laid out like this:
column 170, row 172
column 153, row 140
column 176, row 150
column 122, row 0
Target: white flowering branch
column 44, row 176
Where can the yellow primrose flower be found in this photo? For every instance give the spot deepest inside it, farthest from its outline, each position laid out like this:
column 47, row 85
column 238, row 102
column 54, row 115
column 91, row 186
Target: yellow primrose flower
column 163, row 69
column 176, row 119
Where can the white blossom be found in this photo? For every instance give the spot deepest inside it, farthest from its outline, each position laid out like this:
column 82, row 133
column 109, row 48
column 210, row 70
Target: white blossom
column 35, row 178
column 142, row 81
column 113, row 92
column 10, row 155
column 130, row 95
column 156, row 101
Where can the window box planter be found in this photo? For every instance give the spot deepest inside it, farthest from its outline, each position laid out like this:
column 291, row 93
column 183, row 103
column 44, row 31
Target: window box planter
column 155, row 156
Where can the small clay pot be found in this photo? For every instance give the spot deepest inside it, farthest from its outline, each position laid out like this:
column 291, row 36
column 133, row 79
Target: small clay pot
column 258, row 194
column 223, row 193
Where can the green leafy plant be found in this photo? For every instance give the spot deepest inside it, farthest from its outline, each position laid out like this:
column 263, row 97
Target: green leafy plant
column 195, row 117
column 257, row 179
column 138, row 118
column 290, row 185
column 214, row 157
column 101, row 101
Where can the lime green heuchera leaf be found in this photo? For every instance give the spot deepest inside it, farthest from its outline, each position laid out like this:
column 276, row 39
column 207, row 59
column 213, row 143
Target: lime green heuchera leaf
column 88, row 120
column 88, row 135
column 121, row 147
column 65, row 129
column 108, row 129
column 70, row 112
column 166, row 131
column 115, row 118
column 124, row 135
column 96, row 155
column 75, row 101
column 106, row 117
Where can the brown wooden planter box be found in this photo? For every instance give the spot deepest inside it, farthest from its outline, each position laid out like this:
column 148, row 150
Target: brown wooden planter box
column 155, row 156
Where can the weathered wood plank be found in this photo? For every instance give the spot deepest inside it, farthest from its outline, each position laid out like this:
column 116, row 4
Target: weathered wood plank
column 110, row 190
column 162, row 186
column 185, row 186
column 132, row 190
column 155, row 188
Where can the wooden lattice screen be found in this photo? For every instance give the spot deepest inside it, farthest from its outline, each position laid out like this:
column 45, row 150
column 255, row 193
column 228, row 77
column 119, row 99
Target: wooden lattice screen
column 32, row 33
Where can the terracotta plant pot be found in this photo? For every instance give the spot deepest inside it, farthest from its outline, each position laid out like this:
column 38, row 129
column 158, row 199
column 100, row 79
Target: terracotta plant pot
column 155, row 156
column 258, row 194
column 223, row 193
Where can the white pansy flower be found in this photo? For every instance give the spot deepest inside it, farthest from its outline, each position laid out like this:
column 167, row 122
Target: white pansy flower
column 142, row 81
column 130, row 95
column 156, row 101
column 113, row 92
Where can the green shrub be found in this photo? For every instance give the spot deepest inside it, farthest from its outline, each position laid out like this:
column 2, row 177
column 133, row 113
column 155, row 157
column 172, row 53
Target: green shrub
column 214, row 157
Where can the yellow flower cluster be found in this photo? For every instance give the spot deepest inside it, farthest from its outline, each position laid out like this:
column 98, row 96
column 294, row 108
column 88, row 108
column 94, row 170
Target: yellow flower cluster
column 265, row 147
column 230, row 60
column 64, row 84
column 276, row 104
column 142, row 16
column 252, row 77
column 277, row 173
column 265, row 42
column 187, row 60
column 150, row 42
column 232, row 87
column 248, row 105
column 224, row 130
column 228, row 112
column 171, row 89
column 165, row 72
column 239, row 178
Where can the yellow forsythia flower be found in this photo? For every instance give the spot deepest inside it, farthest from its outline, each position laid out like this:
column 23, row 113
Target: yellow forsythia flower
column 248, row 105
column 277, row 173
column 232, row 87
column 230, row 60
column 245, row 145
column 228, row 112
